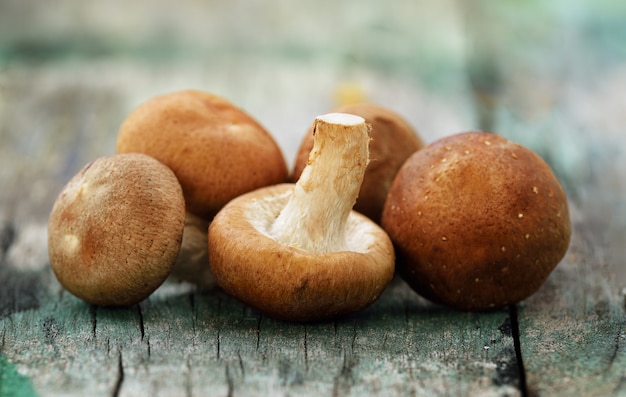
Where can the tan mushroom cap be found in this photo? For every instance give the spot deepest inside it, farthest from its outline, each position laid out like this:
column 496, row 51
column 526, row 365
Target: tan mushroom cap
column 289, row 283
column 216, row 150
column 478, row 222
column 393, row 140
column 115, row 229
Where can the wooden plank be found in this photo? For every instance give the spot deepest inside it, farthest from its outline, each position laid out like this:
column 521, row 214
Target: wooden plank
column 573, row 332
column 182, row 342
column 548, row 96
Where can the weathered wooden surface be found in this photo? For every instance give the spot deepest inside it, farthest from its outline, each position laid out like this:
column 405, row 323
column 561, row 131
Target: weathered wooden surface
column 551, row 76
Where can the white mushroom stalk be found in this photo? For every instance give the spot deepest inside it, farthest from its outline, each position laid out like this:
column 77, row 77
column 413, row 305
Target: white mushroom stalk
column 315, row 216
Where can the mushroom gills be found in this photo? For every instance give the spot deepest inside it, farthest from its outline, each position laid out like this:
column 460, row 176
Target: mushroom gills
column 358, row 235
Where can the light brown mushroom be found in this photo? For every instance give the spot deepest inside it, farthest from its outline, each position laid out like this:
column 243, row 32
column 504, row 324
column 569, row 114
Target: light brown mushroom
column 478, row 222
column 299, row 252
column 393, row 140
column 115, row 229
column 216, row 150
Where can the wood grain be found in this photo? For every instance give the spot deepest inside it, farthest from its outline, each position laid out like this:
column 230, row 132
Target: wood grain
column 183, row 342
column 549, row 76
column 577, row 349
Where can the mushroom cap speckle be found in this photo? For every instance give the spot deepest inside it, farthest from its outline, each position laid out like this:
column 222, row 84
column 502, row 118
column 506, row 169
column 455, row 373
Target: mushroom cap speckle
column 287, row 282
column 393, row 140
column 478, row 221
column 216, row 150
column 116, row 228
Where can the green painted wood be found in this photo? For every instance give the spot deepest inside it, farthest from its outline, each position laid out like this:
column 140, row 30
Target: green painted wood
column 13, row 384
column 183, row 342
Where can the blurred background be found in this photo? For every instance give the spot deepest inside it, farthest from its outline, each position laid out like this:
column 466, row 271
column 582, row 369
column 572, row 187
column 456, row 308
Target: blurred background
column 550, row 75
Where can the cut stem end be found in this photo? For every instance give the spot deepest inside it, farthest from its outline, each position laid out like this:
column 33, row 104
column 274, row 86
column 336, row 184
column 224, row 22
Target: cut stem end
column 314, row 218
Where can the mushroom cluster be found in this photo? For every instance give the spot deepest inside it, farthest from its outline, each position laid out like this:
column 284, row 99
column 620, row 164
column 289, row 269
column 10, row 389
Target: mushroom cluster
column 200, row 191
column 116, row 230
column 216, row 150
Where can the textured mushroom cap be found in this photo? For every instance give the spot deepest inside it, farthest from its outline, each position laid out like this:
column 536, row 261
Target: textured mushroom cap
column 216, row 150
column 393, row 140
column 478, row 221
column 289, row 283
column 116, row 228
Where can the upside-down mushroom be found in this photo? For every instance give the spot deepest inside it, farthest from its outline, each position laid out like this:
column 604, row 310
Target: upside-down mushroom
column 298, row 251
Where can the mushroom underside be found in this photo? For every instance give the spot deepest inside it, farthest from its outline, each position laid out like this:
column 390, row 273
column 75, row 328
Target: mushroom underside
column 287, row 282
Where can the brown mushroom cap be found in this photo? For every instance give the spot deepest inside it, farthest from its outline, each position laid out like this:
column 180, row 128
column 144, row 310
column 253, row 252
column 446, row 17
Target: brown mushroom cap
column 393, row 140
column 216, row 150
column 290, row 283
column 116, row 228
column 478, row 221
column 298, row 251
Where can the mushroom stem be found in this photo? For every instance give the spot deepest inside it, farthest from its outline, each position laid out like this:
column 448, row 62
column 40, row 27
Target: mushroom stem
column 315, row 216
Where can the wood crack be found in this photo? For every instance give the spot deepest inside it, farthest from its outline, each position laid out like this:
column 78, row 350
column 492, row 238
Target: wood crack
column 345, row 379
column 621, row 385
column 353, row 342
column 94, row 322
column 141, row 326
column 194, row 317
column 407, row 314
column 613, row 355
column 219, row 327
column 188, row 379
column 258, row 332
column 3, row 340
column 229, row 382
column 306, row 351
column 219, row 335
column 241, row 367
column 515, row 333
column 616, row 349
column 384, row 340
column 120, row 375
column 7, row 237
